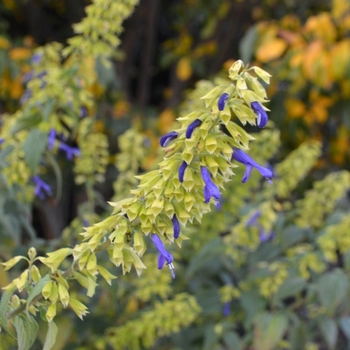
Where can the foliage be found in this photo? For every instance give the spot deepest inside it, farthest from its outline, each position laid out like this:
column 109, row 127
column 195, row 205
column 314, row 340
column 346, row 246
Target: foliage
column 309, row 59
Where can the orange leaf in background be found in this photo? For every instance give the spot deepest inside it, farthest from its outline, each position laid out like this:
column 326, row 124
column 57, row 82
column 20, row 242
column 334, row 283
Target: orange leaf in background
column 345, row 88
column 317, row 64
column 121, row 108
column 20, row 53
column 297, row 59
column 227, row 64
column 166, row 120
column 291, row 22
column 321, row 27
column 294, row 107
column 4, row 43
column 99, row 126
column 271, row 50
column 339, row 7
column 340, row 58
column 319, row 113
column 16, row 89
column 96, row 89
column 184, row 69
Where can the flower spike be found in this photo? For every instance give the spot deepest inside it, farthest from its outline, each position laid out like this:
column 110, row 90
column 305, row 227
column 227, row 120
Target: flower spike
column 250, row 163
column 261, row 115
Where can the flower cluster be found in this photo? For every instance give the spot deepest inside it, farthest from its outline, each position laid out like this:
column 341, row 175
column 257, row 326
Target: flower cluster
column 70, row 151
column 195, row 166
column 263, row 235
column 42, row 189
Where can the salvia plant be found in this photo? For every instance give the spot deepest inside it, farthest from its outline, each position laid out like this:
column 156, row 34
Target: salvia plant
column 199, row 157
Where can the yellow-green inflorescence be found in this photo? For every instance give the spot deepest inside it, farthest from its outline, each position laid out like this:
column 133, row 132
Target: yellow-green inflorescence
column 160, row 195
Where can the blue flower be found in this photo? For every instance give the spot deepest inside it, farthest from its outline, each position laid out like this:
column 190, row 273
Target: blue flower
column 83, row 112
column 52, row 137
column 36, row 58
column 164, row 255
column 182, row 169
column 222, row 101
column 27, row 77
column 264, row 237
column 261, row 115
column 191, row 128
column 25, row 97
column 167, row 138
column 70, row 151
column 226, row 310
column 41, row 187
column 250, row 163
column 2, row 141
column 252, row 221
column 210, row 189
column 176, row 225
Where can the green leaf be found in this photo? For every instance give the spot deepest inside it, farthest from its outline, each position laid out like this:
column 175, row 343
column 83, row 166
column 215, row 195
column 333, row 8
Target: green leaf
column 298, row 336
column 27, row 329
column 252, row 303
column 269, row 330
column 5, row 299
column 247, row 44
column 289, row 288
column 57, row 170
column 345, row 326
column 332, row 288
column 210, row 337
column 36, row 291
column 329, row 331
column 26, row 122
column 34, row 147
column 232, row 341
column 48, row 109
column 50, row 336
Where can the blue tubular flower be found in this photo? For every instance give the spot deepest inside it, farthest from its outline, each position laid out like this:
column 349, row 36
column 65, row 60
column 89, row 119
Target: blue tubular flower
column 2, row 141
column 226, row 310
column 191, row 128
column 176, row 225
column 210, row 189
column 264, row 237
column 83, row 112
column 222, row 101
column 164, row 255
column 252, row 220
column 182, row 169
column 25, row 97
column 250, row 163
column 70, row 151
column 52, row 137
column 41, row 187
column 261, row 115
column 36, row 58
column 167, row 138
